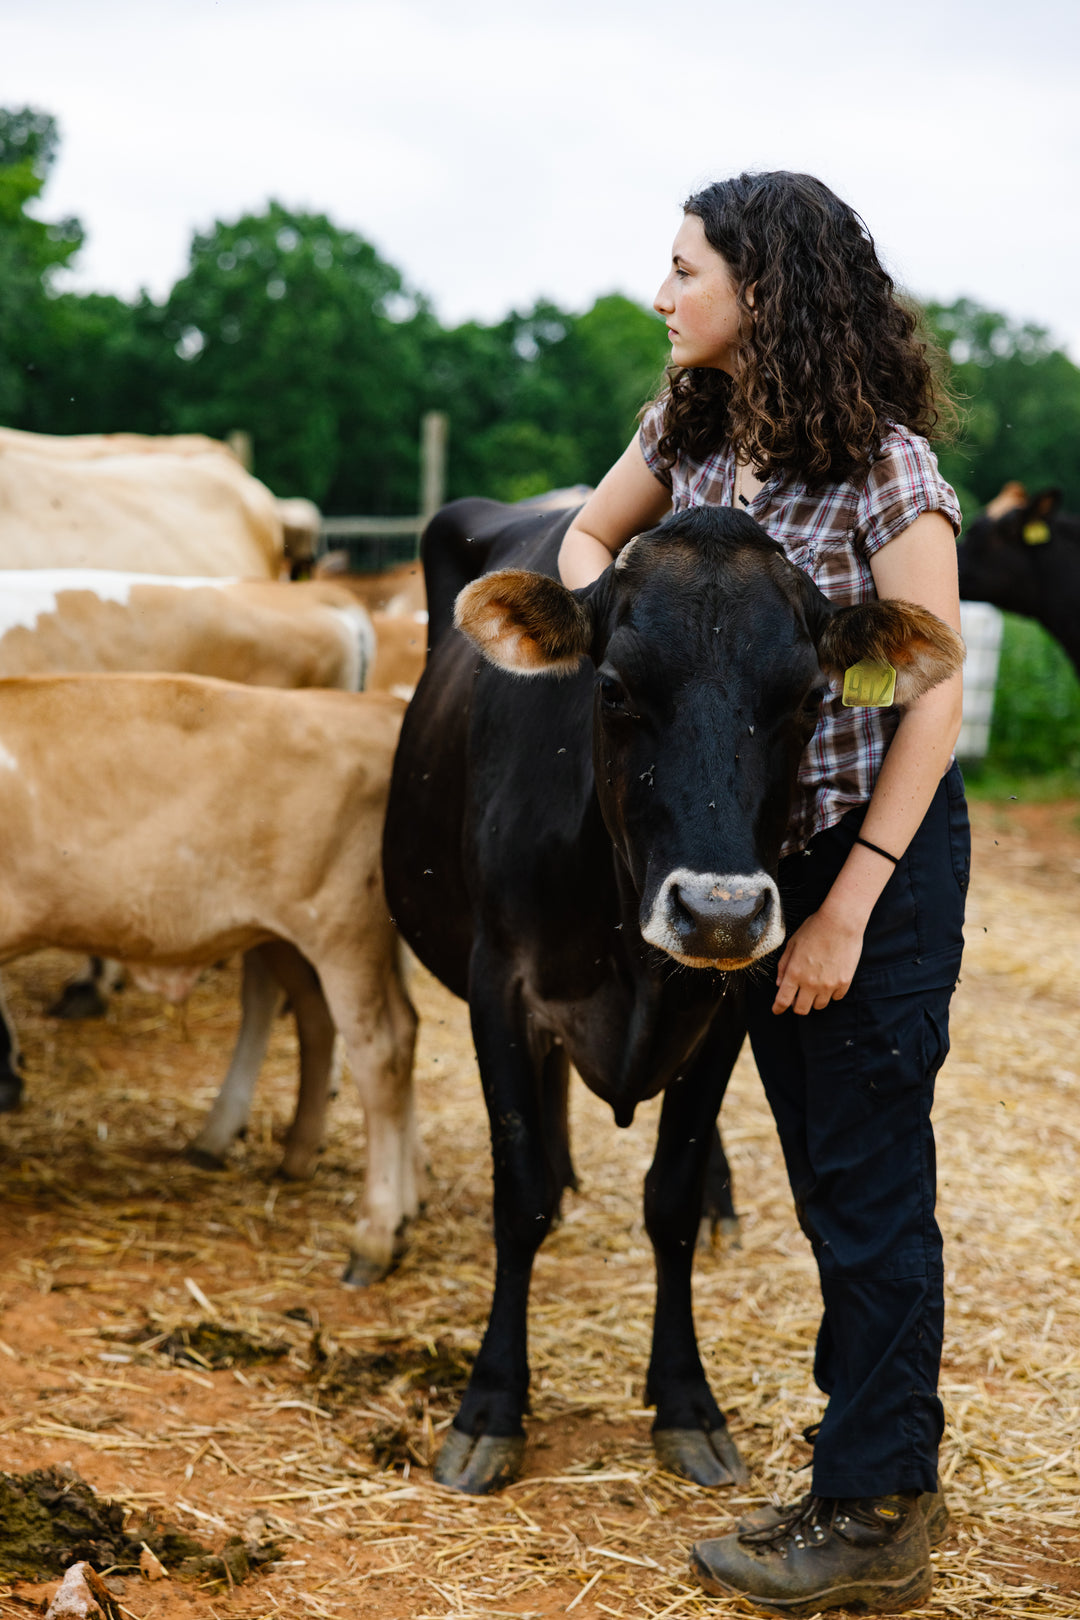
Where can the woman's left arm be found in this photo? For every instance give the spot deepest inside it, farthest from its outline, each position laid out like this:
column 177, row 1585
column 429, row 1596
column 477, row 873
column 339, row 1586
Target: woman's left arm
column 819, row 960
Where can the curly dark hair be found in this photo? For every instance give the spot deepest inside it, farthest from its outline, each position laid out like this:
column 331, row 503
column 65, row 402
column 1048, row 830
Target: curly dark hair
column 829, row 356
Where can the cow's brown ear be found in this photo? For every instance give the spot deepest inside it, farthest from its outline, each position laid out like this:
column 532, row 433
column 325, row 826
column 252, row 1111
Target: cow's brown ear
column 1045, row 504
column 922, row 648
column 526, row 623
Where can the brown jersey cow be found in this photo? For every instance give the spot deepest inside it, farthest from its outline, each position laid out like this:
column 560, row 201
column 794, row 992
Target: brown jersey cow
column 184, row 509
column 169, row 821
column 261, row 632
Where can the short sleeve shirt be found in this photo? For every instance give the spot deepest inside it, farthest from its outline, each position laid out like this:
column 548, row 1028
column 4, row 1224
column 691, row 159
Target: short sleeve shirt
column 831, row 532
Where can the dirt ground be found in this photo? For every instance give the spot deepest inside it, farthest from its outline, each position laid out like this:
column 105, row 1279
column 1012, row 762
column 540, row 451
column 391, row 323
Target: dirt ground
column 110, row 1242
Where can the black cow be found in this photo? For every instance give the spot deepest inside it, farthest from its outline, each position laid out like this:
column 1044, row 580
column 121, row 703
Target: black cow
column 1023, row 555
column 590, row 861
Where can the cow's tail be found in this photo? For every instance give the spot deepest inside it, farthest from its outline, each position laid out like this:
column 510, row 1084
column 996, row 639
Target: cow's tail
column 359, row 645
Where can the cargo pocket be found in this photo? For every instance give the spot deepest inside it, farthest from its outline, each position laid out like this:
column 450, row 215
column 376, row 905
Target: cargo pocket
column 901, row 1043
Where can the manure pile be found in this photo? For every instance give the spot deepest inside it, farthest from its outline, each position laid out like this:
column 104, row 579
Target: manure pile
column 180, row 1341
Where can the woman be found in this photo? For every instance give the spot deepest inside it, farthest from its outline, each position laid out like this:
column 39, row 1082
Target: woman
column 800, row 391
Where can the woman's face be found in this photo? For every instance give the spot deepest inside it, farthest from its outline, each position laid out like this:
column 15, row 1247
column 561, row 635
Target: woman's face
column 698, row 301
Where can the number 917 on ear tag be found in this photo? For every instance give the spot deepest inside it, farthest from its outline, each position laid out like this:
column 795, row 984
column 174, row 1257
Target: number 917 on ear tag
column 869, row 686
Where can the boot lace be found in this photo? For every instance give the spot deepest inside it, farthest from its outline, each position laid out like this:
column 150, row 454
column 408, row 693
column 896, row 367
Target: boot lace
column 808, row 1521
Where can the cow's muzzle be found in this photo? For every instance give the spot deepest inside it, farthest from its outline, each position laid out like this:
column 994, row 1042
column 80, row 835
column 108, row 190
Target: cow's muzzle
column 715, row 919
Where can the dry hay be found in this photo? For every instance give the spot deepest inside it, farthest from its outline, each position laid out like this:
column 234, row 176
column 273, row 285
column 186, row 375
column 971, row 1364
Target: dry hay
column 111, row 1244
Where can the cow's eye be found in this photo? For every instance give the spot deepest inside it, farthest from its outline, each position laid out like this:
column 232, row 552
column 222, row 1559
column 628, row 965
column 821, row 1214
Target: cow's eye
column 613, row 693
column 814, row 699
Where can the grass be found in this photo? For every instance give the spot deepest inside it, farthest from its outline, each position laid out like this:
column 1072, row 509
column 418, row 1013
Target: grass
column 987, row 781
column 1035, row 732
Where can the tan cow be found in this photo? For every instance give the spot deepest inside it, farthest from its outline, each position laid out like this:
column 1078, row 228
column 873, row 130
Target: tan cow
column 396, row 600
column 260, row 632
column 300, row 518
column 396, row 590
column 400, row 651
column 170, row 820
column 188, row 512
column 90, row 446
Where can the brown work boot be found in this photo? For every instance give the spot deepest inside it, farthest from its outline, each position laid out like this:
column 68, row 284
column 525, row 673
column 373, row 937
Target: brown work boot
column 932, row 1506
column 870, row 1553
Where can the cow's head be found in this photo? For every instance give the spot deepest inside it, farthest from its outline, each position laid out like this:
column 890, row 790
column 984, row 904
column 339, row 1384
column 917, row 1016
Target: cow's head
column 712, row 656
column 1001, row 556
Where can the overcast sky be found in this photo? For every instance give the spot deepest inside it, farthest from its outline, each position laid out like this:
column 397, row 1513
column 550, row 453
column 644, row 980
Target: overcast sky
column 497, row 152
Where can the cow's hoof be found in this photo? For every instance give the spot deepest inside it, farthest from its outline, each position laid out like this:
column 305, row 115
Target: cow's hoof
column 202, row 1160
column 476, row 1464
column 11, row 1090
column 710, row 1458
column 718, row 1232
column 300, row 1167
column 362, row 1271
column 79, row 999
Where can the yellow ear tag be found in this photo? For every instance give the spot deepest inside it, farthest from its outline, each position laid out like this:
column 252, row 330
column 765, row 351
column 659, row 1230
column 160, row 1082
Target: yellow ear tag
column 1036, row 534
column 869, row 686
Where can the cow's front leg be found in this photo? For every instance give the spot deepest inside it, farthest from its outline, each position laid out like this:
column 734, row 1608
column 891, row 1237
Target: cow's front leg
column 690, row 1434
column 485, row 1447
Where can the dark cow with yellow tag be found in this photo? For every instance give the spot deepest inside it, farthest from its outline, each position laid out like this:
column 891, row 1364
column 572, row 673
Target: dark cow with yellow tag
column 1023, row 555
column 589, row 853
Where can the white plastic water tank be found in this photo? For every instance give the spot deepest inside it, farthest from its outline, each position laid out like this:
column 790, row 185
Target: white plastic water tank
column 981, row 626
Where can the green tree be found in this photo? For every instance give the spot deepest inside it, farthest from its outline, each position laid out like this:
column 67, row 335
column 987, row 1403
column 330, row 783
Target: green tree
column 101, row 366
column 1021, row 395
column 543, row 398
column 31, row 251
column 623, row 352
column 298, row 332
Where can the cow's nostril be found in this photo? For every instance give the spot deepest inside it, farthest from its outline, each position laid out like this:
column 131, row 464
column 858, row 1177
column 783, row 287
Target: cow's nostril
column 683, row 917
column 762, row 913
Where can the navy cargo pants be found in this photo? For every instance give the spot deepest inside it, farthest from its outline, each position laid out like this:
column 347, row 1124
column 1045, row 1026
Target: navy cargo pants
column 851, row 1087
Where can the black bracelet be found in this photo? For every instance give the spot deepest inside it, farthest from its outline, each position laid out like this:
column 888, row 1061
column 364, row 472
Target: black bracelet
column 878, row 850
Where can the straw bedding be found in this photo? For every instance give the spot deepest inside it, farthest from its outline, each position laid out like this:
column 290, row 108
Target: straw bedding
column 118, row 1262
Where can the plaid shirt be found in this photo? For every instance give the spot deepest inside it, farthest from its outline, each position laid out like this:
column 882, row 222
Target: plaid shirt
column 830, row 532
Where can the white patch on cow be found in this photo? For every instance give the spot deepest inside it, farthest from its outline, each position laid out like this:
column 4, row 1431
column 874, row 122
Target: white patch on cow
column 28, row 594
column 420, row 616
column 706, row 886
column 8, row 762
column 360, row 640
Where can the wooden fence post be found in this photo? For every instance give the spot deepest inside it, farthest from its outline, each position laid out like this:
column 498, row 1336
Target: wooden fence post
column 432, row 463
